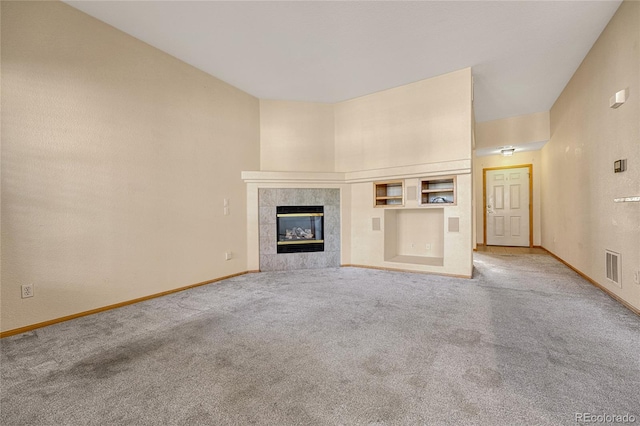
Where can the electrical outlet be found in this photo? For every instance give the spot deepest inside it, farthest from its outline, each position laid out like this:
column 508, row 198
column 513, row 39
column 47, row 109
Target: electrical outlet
column 228, row 255
column 27, row 290
column 636, row 277
column 427, row 246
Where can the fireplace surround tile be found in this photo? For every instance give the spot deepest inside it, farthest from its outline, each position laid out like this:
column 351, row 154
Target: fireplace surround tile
column 267, row 246
column 267, row 215
column 332, row 216
column 289, row 197
column 266, row 262
column 333, row 260
column 269, row 232
column 333, row 199
column 269, row 198
column 332, row 245
column 312, row 197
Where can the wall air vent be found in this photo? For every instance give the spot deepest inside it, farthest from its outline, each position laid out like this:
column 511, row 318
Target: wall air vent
column 613, row 266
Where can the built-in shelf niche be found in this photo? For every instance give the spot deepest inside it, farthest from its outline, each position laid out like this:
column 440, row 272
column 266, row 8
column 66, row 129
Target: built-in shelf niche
column 388, row 193
column 438, row 191
column 414, row 236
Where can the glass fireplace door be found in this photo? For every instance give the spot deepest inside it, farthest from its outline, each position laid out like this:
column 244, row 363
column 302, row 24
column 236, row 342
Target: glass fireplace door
column 300, row 229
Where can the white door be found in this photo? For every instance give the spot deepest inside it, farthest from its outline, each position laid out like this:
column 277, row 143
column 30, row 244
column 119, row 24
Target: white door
column 507, row 207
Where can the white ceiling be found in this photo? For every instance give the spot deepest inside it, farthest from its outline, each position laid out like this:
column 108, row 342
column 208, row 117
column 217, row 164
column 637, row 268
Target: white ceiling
column 522, row 52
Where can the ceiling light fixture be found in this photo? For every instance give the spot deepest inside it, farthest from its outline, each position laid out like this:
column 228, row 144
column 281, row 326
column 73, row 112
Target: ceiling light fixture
column 508, row 152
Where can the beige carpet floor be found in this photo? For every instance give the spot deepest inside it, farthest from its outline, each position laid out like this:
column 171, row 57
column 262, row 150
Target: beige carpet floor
column 526, row 341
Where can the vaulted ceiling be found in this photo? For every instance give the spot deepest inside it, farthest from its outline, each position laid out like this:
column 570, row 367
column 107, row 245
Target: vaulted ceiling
column 522, row 52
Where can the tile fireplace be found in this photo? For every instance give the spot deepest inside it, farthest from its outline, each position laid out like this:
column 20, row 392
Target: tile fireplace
column 299, row 228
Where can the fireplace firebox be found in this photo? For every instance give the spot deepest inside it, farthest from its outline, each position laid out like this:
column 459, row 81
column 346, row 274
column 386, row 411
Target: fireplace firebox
column 300, row 229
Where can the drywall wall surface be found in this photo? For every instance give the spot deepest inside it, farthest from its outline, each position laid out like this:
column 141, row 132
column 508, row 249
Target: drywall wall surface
column 580, row 219
column 511, row 131
column 296, row 136
column 420, row 232
column 424, row 122
column 116, row 159
column 519, row 158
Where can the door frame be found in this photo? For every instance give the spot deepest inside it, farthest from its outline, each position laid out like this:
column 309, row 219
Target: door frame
column 484, row 199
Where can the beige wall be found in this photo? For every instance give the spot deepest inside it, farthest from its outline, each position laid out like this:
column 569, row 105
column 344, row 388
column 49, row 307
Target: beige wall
column 491, row 161
column 296, row 136
column 511, row 131
column 418, row 227
column 424, row 122
column 579, row 217
column 116, row 159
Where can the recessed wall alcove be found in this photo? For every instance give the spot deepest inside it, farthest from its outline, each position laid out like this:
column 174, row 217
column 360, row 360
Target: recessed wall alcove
column 271, row 198
column 414, row 236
